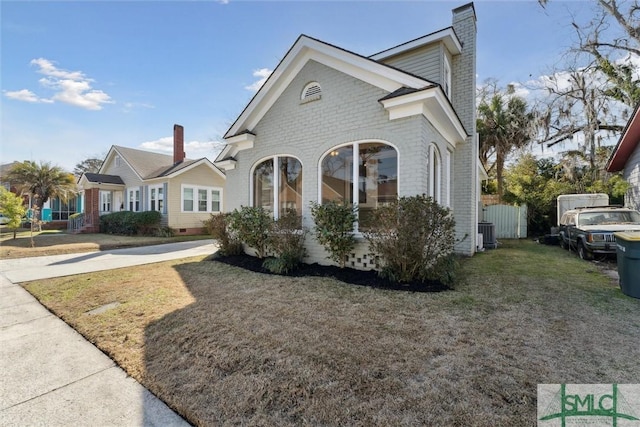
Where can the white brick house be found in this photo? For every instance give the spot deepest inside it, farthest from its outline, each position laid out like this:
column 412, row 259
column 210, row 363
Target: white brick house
column 406, row 115
column 626, row 158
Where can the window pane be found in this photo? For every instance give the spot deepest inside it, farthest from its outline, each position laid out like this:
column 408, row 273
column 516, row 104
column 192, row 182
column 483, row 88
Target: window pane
column 263, row 185
column 377, row 178
column 202, row 200
column 337, row 175
column 290, row 191
column 215, row 201
column 187, row 197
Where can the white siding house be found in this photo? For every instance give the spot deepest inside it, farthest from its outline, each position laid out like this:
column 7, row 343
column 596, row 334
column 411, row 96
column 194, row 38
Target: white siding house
column 330, row 124
column 185, row 191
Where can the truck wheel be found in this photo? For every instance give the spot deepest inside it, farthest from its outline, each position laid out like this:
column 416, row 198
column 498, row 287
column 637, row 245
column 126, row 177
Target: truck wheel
column 583, row 252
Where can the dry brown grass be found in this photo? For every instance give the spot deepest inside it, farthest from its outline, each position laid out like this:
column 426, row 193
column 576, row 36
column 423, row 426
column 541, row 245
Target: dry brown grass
column 56, row 242
column 228, row 347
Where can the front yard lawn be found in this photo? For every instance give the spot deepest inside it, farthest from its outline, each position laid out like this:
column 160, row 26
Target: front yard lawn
column 224, row 346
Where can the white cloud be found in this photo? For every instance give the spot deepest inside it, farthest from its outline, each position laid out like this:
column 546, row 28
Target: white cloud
column 26, row 96
column 193, row 149
column 48, row 69
column 263, row 74
column 71, row 87
column 128, row 107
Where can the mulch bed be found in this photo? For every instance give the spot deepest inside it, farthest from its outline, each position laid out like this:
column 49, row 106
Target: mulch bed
column 348, row 275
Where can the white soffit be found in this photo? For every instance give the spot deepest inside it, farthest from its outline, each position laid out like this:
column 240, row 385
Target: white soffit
column 305, row 49
column 433, row 104
column 235, row 144
column 226, row 165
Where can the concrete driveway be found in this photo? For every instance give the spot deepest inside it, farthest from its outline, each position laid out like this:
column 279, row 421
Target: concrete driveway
column 49, row 374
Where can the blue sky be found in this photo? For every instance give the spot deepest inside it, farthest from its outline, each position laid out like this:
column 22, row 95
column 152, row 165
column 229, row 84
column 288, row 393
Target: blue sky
column 78, row 77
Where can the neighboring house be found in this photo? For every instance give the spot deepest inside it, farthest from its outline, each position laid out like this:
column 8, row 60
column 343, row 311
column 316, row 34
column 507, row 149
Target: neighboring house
column 626, row 158
column 330, row 124
column 186, row 192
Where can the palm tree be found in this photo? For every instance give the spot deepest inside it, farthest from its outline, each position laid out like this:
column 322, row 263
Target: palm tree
column 42, row 181
column 503, row 124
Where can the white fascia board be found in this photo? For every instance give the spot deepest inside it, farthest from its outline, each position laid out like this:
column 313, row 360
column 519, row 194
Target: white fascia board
column 446, row 36
column 226, row 165
column 379, row 75
column 434, row 106
column 237, row 143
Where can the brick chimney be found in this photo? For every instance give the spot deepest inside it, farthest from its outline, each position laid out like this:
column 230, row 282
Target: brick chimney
column 178, row 144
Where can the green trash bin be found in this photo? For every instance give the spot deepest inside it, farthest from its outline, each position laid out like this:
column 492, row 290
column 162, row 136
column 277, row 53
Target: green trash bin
column 628, row 251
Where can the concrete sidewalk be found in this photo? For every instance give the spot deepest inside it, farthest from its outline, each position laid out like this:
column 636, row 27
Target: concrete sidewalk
column 49, row 374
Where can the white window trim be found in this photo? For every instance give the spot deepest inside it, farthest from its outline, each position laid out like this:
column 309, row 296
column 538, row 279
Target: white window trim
column 156, row 187
column 102, row 194
column 435, row 191
column 138, row 190
column 356, row 173
column 195, row 198
column 276, row 181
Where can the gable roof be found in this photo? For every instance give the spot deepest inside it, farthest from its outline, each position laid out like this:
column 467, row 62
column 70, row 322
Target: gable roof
column 149, row 165
column 432, row 102
column 305, row 49
column 628, row 142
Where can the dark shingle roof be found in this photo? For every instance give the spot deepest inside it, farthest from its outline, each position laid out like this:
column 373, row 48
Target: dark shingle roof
column 104, row 179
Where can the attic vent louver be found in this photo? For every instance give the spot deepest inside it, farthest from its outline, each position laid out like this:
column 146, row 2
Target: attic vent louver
column 311, row 92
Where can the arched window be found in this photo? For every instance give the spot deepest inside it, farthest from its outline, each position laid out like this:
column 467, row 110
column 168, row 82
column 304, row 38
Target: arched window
column 435, row 173
column 368, row 181
column 287, row 181
column 311, row 92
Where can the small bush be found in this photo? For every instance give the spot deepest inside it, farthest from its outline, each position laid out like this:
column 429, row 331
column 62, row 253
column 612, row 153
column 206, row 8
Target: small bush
column 218, row 227
column 164, row 232
column 414, row 240
column 334, row 229
column 286, row 241
column 251, row 225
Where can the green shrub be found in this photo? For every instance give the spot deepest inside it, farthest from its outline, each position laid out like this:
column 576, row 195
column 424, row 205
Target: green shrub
column 286, row 242
column 334, row 229
column 218, row 227
column 129, row 223
column 251, row 225
column 413, row 240
column 148, row 222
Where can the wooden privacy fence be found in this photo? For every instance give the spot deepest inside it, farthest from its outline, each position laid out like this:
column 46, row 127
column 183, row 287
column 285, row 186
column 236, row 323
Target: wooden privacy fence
column 510, row 221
